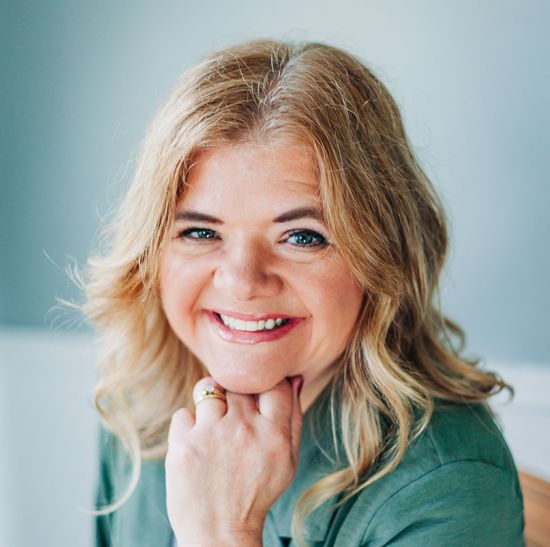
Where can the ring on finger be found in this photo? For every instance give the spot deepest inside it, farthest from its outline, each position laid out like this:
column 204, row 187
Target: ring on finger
column 210, row 392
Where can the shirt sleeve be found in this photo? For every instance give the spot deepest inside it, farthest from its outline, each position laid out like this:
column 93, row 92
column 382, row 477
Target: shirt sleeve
column 104, row 490
column 462, row 504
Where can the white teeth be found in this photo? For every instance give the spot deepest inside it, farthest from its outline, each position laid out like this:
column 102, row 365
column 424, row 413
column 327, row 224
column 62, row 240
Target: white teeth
column 251, row 326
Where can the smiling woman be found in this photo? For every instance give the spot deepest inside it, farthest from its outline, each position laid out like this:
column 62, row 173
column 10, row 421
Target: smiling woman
column 275, row 369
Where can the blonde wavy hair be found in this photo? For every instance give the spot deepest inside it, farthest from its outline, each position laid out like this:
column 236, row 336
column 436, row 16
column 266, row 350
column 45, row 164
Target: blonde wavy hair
column 383, row 215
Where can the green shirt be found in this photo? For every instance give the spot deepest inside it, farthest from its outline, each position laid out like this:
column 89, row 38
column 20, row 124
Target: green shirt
column 456, row 486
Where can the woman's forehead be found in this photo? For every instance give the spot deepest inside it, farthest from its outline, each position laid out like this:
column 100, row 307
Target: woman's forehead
column 289, row 167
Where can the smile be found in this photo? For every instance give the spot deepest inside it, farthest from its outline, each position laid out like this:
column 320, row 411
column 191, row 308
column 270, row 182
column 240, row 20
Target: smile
column 251, row 332
column 252, row 326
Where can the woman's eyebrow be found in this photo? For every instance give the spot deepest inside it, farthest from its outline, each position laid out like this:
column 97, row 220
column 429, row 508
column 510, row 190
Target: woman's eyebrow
column 293, row 214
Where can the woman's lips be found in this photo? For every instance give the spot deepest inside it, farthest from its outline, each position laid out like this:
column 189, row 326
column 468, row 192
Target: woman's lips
column 250, row 337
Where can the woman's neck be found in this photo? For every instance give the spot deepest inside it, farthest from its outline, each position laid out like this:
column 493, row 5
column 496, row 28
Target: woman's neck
column 313, row 387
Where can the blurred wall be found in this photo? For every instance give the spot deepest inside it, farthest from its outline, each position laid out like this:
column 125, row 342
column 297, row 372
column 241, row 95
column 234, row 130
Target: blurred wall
column 48, row 439
column 80, row 82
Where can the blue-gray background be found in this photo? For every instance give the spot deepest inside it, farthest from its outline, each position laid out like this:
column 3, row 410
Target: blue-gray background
column 81, row 81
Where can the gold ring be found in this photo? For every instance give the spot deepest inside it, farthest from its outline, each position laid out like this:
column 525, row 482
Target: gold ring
column 211, row 392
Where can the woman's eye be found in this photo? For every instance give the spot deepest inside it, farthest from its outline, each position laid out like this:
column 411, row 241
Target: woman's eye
column 197, row 233
column 297, row 238
column 307, row 238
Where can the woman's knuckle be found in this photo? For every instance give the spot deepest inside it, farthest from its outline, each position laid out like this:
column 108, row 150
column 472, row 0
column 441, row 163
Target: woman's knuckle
column 244, row 432
column 180, row 414
column 279, row 442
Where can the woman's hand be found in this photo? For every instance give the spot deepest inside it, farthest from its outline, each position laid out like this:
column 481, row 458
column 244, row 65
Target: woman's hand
column 229, row 461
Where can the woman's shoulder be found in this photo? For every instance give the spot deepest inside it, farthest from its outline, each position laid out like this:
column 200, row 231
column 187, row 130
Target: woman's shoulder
column 460, row 440
column 462, row 432
column 456, row 485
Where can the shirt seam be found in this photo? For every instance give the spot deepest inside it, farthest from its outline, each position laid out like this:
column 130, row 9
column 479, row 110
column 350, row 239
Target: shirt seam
column 430, row 433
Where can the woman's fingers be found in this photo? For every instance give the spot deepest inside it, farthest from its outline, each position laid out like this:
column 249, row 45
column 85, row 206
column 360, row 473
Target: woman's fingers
column 180, row 425
column 241, row 405
column 276, row 404
column 210, row 401
column 280, row 405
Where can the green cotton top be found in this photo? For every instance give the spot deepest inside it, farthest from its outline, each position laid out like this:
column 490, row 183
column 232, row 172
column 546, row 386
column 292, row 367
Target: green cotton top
column 456, row 486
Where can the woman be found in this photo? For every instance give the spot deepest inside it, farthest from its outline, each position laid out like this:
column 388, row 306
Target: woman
column 275, row 370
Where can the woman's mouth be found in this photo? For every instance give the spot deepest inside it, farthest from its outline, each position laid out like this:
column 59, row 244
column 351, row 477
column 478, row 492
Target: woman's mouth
column 251, row 332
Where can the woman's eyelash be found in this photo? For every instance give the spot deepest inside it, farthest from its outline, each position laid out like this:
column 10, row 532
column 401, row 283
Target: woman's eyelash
column 211, row 234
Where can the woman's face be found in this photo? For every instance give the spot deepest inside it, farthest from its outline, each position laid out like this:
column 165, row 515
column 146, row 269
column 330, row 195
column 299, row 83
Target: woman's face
column 247, row 244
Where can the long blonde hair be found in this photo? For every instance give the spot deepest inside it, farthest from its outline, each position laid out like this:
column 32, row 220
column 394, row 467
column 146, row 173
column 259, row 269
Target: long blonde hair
column 384, row 217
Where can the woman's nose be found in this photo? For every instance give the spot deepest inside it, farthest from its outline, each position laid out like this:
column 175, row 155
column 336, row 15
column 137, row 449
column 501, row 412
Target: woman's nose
column 245, row 272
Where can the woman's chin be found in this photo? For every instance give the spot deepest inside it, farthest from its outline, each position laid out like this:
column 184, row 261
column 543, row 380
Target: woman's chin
column 245, row 385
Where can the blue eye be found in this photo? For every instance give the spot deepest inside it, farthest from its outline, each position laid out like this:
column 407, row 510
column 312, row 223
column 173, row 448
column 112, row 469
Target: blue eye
column 203, row 233
column 304, row 238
